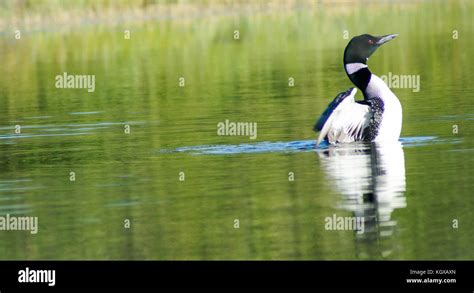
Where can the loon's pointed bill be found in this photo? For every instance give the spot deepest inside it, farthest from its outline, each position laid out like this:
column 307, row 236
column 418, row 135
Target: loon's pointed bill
column 386, row 38
column 376, row 118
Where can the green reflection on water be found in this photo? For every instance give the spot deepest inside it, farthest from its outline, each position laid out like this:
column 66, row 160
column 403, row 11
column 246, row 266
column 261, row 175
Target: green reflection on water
column 120, row 176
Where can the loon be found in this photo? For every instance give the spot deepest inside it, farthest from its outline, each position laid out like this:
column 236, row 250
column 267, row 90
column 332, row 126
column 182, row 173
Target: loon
column 377, row 118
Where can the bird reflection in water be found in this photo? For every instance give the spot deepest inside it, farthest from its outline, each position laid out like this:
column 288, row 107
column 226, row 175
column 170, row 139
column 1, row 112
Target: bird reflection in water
column 371, row 179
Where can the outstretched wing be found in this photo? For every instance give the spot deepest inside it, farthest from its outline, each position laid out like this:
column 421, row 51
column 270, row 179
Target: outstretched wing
column 344, row 120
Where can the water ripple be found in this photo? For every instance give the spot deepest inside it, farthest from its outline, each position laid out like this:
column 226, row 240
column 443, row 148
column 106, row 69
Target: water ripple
column 291, row 146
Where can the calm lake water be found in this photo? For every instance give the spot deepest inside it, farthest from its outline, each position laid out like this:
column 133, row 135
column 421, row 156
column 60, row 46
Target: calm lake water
column 410, row 194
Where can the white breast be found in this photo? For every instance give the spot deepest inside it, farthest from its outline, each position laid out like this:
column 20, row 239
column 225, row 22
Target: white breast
column 391, row 124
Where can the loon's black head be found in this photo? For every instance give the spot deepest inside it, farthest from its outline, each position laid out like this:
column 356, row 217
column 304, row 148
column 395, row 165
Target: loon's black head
column 360, row 48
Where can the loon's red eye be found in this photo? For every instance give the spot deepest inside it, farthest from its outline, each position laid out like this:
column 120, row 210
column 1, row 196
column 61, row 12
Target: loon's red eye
column 371, row 42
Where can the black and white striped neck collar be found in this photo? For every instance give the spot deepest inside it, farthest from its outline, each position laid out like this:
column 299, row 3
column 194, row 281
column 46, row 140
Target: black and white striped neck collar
column 359, row 74
column 352, row 68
